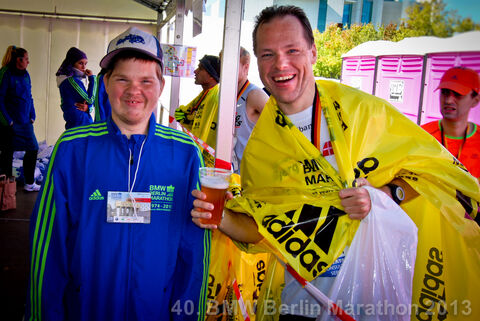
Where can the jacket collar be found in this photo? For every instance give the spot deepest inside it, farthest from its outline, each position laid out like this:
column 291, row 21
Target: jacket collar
column 113, row 128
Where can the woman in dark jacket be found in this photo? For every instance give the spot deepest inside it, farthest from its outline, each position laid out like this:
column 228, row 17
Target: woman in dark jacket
column 17, row 115
column 76, row 101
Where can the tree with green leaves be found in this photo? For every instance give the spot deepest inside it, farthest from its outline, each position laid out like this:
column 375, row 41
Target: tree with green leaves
column 428, row 18
column 334, row 42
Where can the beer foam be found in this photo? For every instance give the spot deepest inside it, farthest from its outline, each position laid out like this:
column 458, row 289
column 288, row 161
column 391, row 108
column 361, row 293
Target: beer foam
column 214, row 182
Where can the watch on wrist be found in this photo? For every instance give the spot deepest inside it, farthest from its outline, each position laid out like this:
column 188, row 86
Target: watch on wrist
column 398, row 194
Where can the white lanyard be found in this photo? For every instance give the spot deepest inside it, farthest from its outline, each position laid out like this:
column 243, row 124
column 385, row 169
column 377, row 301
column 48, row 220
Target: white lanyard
column 130, row 188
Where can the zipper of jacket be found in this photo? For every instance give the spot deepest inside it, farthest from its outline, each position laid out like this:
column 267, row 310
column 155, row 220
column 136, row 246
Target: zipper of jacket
column 131, row 184
column 130, row 239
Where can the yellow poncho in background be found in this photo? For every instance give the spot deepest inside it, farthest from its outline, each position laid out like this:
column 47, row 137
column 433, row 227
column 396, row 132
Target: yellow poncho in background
column 200, row 118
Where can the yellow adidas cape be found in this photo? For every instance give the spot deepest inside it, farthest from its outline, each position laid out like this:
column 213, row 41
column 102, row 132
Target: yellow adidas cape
column 201, row 120
column 292, row 193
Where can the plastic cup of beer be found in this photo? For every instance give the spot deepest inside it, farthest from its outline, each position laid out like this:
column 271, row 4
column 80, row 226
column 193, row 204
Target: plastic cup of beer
column 214, row 183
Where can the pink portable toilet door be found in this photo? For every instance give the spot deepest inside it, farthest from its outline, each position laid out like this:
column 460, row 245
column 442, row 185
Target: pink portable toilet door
column 359, row 72
column 399, row 81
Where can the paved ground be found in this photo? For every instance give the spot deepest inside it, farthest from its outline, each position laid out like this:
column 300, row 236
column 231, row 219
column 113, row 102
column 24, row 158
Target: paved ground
column 14, row 259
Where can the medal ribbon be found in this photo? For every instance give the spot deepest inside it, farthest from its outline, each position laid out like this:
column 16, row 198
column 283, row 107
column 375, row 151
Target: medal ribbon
column 444, row 140
column 200, row 100
column 316, row 120
column 242, row 90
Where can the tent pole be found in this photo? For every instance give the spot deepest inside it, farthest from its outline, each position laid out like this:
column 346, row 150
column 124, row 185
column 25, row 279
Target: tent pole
column 178, row 40
column 228, row 82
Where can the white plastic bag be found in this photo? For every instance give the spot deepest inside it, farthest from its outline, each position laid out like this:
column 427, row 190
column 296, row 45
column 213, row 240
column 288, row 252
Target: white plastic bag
column 375, row 280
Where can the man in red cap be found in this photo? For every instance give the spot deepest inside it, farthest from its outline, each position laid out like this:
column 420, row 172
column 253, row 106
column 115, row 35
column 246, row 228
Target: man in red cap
column 459, row 92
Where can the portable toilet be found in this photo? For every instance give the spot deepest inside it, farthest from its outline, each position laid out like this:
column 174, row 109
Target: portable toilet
column 360, row 63
column 397, row 76
column 461, row 50
column 400, row 74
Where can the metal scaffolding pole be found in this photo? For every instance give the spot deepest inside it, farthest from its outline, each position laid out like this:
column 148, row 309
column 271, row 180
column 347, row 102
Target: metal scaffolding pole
column 178, row 40
column 228, row 83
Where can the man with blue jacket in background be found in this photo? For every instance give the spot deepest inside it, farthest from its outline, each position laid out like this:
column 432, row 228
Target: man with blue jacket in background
column 117, row 242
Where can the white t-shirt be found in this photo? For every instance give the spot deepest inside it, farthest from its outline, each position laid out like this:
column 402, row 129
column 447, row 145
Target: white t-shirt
column 295, row 299
column 303, row 121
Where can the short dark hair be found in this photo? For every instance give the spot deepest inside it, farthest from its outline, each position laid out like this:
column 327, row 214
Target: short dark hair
column 269, row 13
column 474, row 94
column 127, row 55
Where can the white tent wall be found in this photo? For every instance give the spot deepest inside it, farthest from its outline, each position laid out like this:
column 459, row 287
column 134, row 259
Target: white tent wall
column 89, row 26
column 47, row 40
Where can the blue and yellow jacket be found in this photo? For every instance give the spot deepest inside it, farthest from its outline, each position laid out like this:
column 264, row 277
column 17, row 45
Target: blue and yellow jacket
column 16, row 102
column 72, row 90
column 83, row 268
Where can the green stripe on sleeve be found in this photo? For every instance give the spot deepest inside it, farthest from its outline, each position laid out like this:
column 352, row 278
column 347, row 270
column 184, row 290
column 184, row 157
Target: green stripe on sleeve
column 170, row 133
column 80, row 90
column 46, row 217
column 36, row 247
column 181, row 139
column 202, row 304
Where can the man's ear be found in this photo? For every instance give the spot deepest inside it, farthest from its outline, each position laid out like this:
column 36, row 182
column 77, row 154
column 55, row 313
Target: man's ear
column 475, row 101
column 105, row 80
column 162, row 85
column 314, row 54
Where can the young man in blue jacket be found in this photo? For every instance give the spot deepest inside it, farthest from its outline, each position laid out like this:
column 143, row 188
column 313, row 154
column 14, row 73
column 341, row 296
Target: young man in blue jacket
column 117, row 242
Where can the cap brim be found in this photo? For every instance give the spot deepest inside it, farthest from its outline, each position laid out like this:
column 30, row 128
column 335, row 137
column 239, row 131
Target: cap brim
column 106, row 60
column 455, row 86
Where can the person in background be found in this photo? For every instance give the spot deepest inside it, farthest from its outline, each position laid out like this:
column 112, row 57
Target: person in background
column 200, row 115
column 207, row 76
column 76, row 100
column 117, row 242
column 250, row 102
column 459, row 93
column 101, row 103
column 17, row 115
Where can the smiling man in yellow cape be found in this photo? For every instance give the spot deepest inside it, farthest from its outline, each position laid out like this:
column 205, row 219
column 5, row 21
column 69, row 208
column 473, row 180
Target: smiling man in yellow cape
column 280, row 178
column 295, row 194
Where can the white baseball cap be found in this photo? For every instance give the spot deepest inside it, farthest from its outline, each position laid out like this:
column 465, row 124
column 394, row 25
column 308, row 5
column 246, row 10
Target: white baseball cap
column 133, row 39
